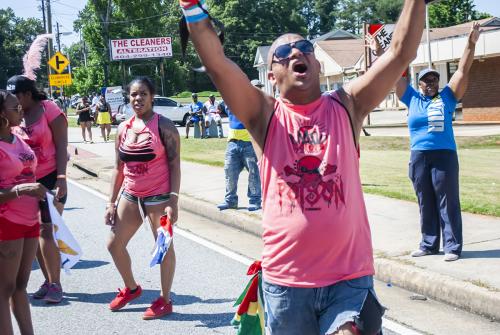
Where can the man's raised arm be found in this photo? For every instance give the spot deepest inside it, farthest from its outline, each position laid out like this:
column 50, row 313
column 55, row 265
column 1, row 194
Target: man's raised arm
column 250, row 105
column 365, row 93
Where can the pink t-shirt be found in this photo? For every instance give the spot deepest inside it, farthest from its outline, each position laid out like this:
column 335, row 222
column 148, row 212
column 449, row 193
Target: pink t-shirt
column 316, row 230
column 145, row 161
column 39, row 138
column 17, row 166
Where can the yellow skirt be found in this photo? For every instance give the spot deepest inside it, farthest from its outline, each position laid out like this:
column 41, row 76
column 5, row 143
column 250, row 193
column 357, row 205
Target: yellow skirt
column 103, row 118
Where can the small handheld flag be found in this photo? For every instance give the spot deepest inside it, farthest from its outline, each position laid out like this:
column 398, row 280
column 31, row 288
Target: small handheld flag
column 163, row 241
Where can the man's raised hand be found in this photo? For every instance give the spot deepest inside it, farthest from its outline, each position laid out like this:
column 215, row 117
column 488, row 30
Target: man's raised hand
column 474, row 32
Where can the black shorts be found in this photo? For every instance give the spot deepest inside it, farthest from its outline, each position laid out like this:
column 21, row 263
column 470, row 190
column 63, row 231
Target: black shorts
column 84, row 117
column 49, row 181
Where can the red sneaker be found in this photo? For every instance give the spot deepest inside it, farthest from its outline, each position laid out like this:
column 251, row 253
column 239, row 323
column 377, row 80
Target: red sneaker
column 124, row 297
column 158, row 309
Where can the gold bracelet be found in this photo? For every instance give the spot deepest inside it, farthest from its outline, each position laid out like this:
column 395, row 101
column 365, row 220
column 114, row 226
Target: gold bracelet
column 61, row 176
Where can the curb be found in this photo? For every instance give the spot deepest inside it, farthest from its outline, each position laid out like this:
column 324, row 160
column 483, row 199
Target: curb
column 103, row 173
column 230, row 217
column 439, row 287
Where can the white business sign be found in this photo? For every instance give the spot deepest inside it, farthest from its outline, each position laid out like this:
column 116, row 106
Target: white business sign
column 384, row 37
column 114, row 97
column 147, row 47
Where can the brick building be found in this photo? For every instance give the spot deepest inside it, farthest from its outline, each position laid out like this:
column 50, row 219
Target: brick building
column 482, row 99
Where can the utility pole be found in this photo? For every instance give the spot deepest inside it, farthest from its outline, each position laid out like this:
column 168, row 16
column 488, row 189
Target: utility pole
column 105, row 28
column 43, row 15
column 58, row 37
column 428, row 36
column 82, row 45
column 49, row 45
column 45, row 29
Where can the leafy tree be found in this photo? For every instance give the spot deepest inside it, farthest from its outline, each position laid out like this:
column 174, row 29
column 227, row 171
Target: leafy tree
column 320, row 16
column 452, row 12
column 16, row 36
column 250, row 25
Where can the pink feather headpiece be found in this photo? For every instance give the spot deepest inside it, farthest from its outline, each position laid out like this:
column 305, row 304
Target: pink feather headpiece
column 33, row 57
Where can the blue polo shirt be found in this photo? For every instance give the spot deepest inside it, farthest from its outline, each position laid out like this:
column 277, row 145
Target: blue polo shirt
column 195, row 107
column 430, row 119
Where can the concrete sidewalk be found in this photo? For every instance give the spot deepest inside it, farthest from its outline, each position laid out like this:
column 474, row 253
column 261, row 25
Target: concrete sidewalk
column 471, row 283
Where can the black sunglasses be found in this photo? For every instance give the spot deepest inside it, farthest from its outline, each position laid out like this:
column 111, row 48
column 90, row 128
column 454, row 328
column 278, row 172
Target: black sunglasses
column 284, row 51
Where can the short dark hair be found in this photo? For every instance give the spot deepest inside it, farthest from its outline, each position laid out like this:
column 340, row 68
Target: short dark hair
column 145, row 81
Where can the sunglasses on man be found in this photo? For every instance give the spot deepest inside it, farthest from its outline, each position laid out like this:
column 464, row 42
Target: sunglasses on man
column 284, row 51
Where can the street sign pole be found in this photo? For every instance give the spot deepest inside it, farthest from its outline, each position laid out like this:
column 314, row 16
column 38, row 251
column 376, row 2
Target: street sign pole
column 49, row 45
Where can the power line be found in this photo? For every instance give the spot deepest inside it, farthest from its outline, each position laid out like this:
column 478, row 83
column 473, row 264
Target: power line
column 135, row 20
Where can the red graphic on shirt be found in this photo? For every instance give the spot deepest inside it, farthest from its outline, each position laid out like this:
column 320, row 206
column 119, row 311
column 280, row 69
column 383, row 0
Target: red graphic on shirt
column 310, row 140
column 27, row 174
column 306, row 184
column 139, row 169
column 311, row 180
column 26, row 134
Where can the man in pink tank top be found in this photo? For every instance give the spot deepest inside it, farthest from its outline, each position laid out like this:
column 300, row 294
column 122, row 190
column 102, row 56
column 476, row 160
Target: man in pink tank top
column 317, row 259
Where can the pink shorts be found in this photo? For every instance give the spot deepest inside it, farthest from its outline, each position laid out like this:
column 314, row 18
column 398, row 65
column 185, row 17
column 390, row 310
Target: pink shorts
column 12, row 231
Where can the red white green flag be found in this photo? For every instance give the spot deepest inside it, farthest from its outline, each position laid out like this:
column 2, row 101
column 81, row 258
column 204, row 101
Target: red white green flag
column 250, row 314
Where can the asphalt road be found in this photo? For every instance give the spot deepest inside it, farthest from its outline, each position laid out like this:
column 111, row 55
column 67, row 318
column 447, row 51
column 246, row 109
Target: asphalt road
column 208, row 280
column 205, row 286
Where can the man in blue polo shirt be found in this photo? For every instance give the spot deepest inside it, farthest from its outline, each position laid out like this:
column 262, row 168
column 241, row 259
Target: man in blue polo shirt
column 195, row 115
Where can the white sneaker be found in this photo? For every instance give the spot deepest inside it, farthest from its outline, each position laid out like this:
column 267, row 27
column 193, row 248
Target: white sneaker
column 450, row 257
column 420, row 253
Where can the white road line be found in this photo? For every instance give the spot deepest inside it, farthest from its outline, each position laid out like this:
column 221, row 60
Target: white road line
column 388, row 324
column 396, row 327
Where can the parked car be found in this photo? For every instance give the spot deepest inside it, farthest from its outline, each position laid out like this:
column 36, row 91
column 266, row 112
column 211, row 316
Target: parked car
column 171, row 109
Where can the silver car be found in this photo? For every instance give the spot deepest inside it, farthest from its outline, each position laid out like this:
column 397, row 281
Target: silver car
column 171, row 109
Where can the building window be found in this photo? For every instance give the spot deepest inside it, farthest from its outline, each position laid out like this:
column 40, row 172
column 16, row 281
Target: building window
column 451, row 68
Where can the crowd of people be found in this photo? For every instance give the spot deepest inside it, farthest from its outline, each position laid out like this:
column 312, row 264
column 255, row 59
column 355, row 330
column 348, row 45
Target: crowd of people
column 96, row 112
column 302, row 153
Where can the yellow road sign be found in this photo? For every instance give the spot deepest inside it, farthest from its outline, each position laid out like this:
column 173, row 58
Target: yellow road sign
column 60, row 79
column 58, row 62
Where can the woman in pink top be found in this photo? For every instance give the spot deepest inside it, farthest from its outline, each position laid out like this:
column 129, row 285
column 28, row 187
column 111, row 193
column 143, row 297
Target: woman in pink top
column 144, row 187
column 317, row 258
column 45, row 129
column 19, row 227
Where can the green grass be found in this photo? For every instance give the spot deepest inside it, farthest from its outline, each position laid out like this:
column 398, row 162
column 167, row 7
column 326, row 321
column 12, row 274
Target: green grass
column 209, row 151
column 384, row 168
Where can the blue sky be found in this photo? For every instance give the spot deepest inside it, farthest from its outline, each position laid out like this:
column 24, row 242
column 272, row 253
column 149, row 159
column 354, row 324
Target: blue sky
column 66, row 11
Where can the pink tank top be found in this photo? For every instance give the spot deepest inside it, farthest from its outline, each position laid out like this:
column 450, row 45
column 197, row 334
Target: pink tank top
column 39, row 138
column 316, row 230
column 145, row 161
column 17, row 166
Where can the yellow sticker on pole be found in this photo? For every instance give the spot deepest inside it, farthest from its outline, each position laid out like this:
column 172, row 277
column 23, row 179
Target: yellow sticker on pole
column 60, row 79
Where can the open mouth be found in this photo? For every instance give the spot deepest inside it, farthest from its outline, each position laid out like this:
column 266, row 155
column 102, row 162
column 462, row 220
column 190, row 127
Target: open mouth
column 300, row 68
